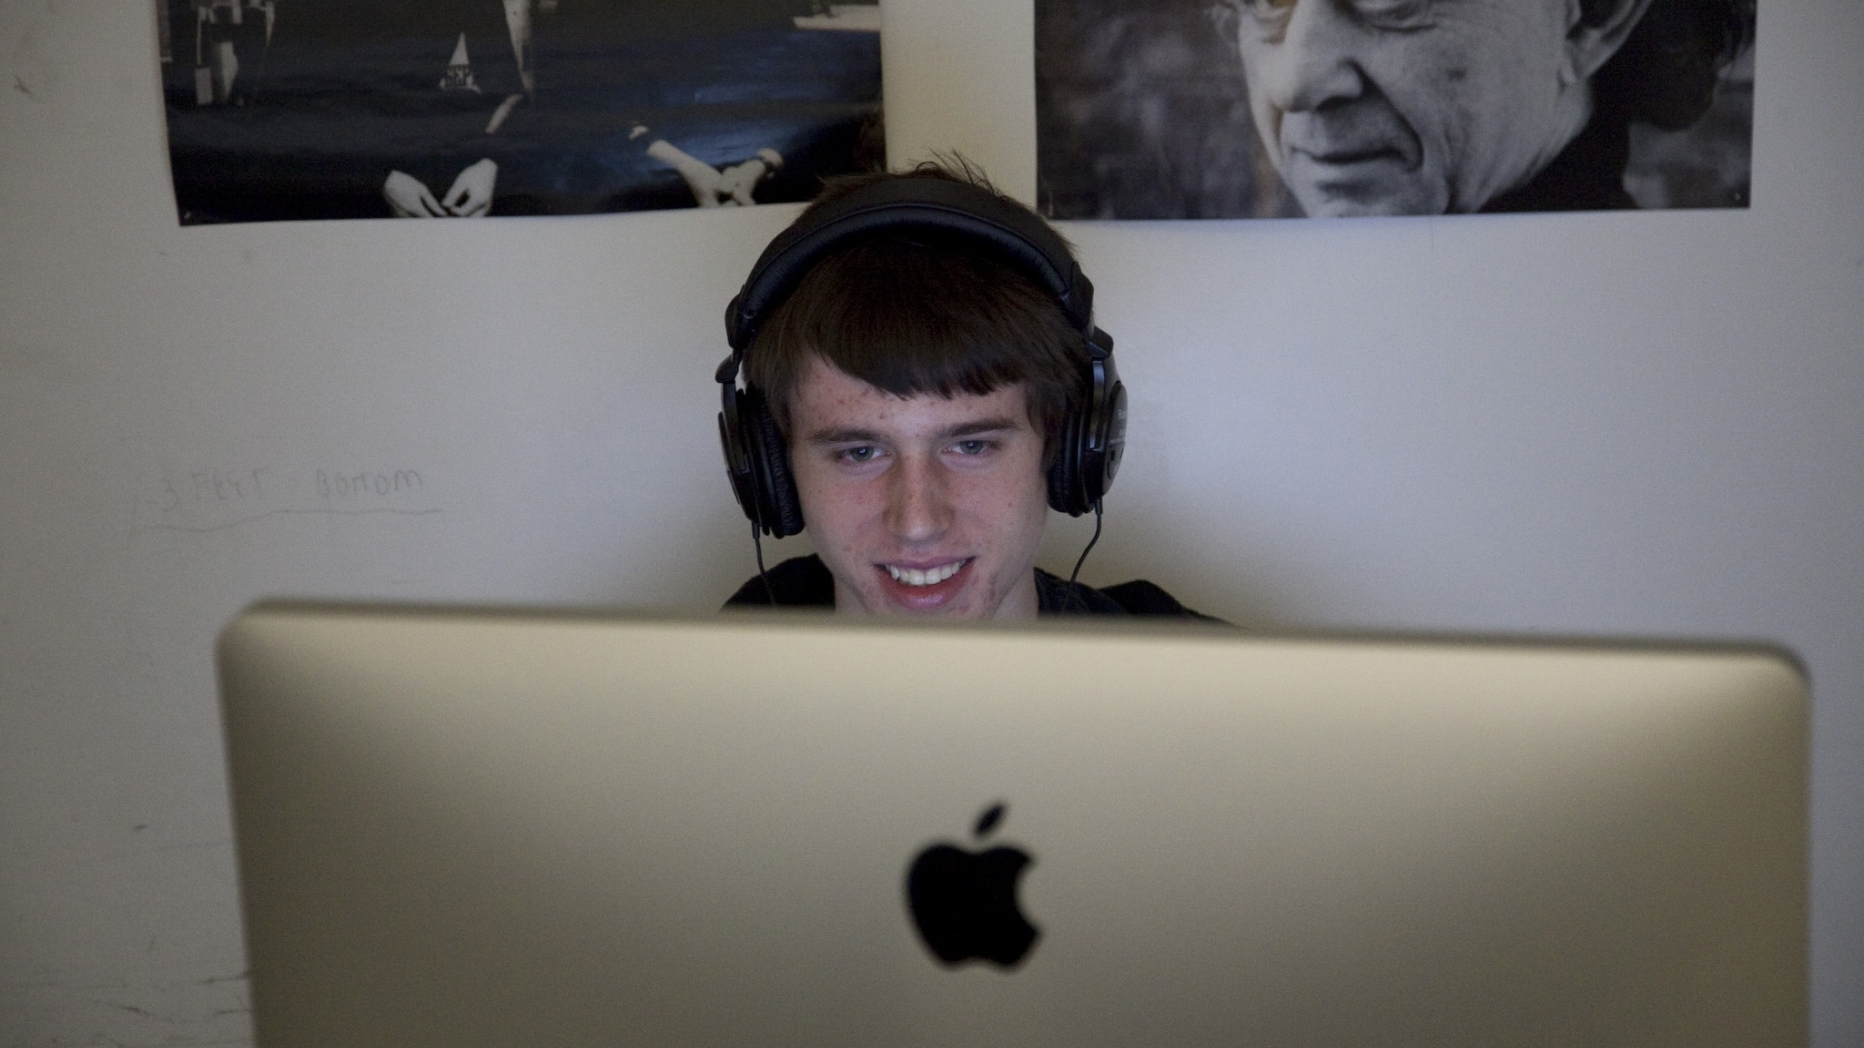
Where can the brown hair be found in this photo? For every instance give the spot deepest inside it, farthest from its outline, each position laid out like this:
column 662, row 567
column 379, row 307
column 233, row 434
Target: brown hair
column 914, row 313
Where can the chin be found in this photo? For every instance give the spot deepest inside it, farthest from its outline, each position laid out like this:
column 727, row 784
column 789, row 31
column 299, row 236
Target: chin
column 1329, row 204
column 952, row 613
column 1378, row 192
column 961, row 607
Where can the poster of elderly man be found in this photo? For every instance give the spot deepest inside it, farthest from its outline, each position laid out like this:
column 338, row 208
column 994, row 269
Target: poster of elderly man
column 1335, row 108
column 312, row 109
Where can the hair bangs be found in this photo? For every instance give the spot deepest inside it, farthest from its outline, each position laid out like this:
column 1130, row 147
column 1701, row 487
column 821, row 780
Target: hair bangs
column 913, row 317
column 922, row 313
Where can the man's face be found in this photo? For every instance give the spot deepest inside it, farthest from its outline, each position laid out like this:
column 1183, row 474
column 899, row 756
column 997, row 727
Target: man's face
column 1394, row 107
column 920, row 505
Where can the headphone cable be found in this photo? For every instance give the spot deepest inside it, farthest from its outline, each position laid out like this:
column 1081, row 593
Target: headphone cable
column 757, row 542
column 1090, row 545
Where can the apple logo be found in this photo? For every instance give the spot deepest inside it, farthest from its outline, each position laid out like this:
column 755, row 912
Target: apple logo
column 964, row 903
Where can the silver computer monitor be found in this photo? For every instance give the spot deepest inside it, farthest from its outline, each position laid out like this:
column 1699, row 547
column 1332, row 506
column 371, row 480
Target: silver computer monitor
column 489, row 828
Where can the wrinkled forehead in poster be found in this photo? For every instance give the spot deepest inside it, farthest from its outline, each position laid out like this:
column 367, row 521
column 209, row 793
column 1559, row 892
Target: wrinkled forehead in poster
column 1260, row 108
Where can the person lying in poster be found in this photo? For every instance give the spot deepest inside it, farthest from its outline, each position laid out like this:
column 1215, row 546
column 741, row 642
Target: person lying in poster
column 1406, row 107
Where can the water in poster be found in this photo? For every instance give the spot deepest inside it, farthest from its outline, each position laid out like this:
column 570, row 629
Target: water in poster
column 307, row 109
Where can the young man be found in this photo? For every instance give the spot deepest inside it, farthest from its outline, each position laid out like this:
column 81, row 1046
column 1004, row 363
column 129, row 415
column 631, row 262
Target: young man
column 922, row 383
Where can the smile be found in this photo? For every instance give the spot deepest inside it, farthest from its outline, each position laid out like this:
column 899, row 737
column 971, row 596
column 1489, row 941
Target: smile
column 926, row 577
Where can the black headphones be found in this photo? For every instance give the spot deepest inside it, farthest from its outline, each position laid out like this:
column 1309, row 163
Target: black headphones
column 1092, row 438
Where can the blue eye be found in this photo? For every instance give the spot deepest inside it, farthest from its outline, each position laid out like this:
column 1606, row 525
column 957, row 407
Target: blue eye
column 860, row 454
column 972, row 447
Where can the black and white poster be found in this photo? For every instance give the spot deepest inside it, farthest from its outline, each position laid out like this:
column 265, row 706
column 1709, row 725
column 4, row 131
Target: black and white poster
column 308, row 109
column 1327, row 108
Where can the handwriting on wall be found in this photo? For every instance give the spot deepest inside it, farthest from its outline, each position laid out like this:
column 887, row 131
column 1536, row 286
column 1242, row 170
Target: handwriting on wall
column 218, row 498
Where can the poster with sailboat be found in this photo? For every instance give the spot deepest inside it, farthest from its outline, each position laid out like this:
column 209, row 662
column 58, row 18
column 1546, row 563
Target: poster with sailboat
column 319, row 109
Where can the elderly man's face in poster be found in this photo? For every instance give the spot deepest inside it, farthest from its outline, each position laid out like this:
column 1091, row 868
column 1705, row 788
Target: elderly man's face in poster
column 1414, row 106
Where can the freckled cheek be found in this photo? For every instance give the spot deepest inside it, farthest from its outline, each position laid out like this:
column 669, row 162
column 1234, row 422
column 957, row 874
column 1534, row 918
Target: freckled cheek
column 995, row 497
column 834, row 505
column 863, row 507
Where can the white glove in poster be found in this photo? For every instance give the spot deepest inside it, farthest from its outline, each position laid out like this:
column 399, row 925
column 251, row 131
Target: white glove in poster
column 308, row 109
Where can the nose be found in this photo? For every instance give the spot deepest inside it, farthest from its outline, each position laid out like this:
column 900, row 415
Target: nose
column 919, row 505
column 1314, row 62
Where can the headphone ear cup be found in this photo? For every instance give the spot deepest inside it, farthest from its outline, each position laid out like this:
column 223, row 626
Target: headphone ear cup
column 781, row 510
column 758, row 463
column 1092, row 439
column 1064, row 472
column 1109, row 435
column 734, row 442
column 1101, row 436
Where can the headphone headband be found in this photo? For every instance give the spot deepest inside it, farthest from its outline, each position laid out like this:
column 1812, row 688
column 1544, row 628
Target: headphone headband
column 907, row 205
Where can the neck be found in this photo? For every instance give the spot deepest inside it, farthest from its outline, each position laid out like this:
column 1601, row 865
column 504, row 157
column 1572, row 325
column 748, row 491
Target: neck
column 1571, row 114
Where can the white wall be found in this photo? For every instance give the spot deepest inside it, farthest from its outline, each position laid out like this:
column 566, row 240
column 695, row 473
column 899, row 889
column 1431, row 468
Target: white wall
column 1644, row 424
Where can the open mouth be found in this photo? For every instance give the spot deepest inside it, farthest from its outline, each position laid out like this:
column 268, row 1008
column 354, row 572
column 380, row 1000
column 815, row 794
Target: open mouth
column 1350, row 157
column 919, row 577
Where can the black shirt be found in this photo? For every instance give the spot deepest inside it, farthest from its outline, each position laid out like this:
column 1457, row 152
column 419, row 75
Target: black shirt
column 1588, row 175
column 805, row 582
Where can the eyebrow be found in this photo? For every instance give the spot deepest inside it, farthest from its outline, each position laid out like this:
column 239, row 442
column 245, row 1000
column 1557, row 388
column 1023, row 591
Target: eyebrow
column 867, row 436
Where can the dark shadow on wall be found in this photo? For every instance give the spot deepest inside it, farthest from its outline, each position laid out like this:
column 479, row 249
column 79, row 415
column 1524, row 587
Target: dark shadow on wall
column 1141, row 113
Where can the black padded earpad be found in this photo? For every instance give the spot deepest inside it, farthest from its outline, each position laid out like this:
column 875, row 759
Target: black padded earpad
column 758, row 463
column 737, row 456
column 781, row 506
column 1092, row 440
column 1064, row 472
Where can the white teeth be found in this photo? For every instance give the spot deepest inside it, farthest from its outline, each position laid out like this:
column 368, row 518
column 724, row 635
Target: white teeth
column 915, row 577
